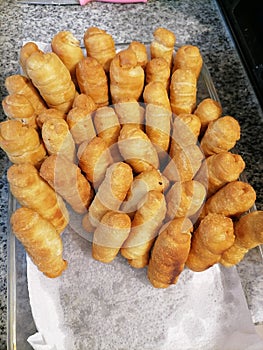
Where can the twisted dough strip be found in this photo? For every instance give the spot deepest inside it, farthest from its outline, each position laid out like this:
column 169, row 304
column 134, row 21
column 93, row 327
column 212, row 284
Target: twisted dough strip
column 52, row 79
column 41, row 241
column 170, row 253
column 33, row 192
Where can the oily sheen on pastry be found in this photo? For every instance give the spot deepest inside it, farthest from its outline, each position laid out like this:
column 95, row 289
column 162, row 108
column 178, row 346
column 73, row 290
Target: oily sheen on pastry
column 220, row 169
column 52, row 79
column 221, row 135
column 19, row 84
column 233, row 199
column 130, row 111
column 47, row 114
column 170, row 253
column 137, row 149
column 185, row 164
column 68, row 49
column 107, row 125
column 109, row 236
column 41, row 241
column 94, row 158
column 248, row 235
column 21, row 143
column 157, row 69
column 140, row 51
column 185, row 199
column 185, row 132
column 92, row 80
column 58, row 139
column 100, row 45
column 146, row 181
column 157, row 116
column 126, row 76
column 163, row 44
column 214, row 235
column 18, row 107
column 68, row 181
column 208, row 110
column 188, row 57
column 33, row 192
column 26, row 51
column 111, row 192
column 183, row 89
column 79, row 119
column 144, row 228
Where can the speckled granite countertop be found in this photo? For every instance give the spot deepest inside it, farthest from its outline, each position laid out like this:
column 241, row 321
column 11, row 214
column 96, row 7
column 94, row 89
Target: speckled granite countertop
column 197, row 22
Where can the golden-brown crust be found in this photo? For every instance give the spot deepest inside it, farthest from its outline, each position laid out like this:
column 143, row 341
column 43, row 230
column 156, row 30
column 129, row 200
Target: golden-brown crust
column 137, row 149
column 58, row 139
column 186, row 128
column 34, row 157
column 146, row 181
column 18, row 84
column 126, row 77
column 84, row 101
column 208, row 110
column 108, row 128
column 107, row 125
column 163, row 44
column 80, row 122
column 49, row 113
column 25, row 52
column 155, row 93
column 221, row 135
column 145, row 225
column 214, row 235
column 170, row 253
column 184, row 199
column 248, row 234
column 249, row 229
column 185, row 164
column 100, row 45
column 33, row 192
column 67, row 180
column 111, row 191
column 41, row 241
column 135, row 140
column 94, row 159
column 140, row 51
column 51, row 77
column 17, row 138
column 233, row 255
column 222, row 168
column 92, row 80
column 139, row 262
column 130, row 111
column 157, row 69
column 183, row 89
column 233, row 199
column 185, row 132
column 68, row 49
column 109, row 236
column 18, row 107
column 21, row 143
column 158, row 117
column 188, row 57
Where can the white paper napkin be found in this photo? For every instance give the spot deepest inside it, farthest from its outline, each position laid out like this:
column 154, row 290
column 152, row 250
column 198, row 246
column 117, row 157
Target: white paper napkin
column 96, row 306
column 38, row 343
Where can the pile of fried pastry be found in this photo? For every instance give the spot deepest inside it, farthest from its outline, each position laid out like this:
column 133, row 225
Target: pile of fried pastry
column 121, row 139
